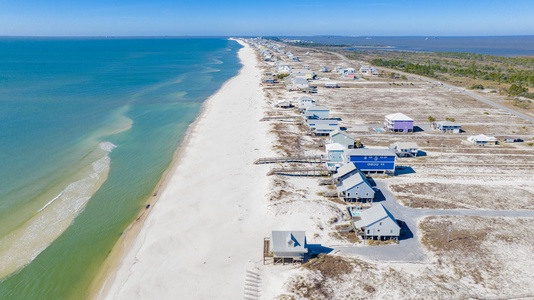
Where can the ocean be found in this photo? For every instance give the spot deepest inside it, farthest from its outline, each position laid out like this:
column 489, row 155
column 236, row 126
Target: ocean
column 88, row 127
column 489, row 45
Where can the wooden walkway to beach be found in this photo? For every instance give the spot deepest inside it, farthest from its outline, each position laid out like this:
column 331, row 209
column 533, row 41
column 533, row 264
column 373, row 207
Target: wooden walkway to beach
column 310, row 172
column 296, row 118
column 312, row 159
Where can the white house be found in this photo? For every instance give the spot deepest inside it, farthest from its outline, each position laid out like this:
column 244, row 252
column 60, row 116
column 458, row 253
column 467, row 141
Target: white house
column 331, row 85
column 300, row 83
column 355, row 187
column 482, row 140
column 405, row 149
column 305, row 101
column 378, row 222
column 288, row 244
column 284, row 69
column 364, row 69
column 324, row 128
column 284, row 104
column 334, row 154
column 342, row 138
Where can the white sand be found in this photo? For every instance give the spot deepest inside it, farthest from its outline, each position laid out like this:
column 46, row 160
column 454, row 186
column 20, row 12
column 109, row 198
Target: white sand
column 208, row 225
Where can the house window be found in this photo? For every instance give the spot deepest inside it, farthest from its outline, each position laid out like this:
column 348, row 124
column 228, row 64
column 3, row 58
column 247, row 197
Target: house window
column 380, row 223
column 368, row 231
column 378, row 230
column 391, row 231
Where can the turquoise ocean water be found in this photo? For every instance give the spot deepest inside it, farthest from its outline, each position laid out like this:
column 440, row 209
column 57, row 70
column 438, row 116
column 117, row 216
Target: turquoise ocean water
column 87, row 128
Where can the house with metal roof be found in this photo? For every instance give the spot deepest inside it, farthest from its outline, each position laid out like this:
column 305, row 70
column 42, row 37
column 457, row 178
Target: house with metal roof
column 323, row 129
column 344, row 172
column 405, row 149
column 304, row 73
column 341, row 137
column 334, row 154
column 377, row 222
column 300, row 83
column 482, row 140
column 398, row 122
column 448, row 127
column 304, row 102
column 370, row 160
column 288, row 245
column 318, row 112
column 355, row 188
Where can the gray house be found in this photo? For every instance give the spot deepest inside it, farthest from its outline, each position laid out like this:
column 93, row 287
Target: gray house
column 448, row 127
column 345, row 172
column 377, row 222
column 319, row 112
column 355, row 188
column 405, row 149
column 288, row 245
column 342, row 138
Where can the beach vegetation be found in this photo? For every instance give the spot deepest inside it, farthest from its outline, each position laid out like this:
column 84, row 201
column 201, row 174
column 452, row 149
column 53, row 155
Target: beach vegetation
column 431, row 119
column 450, row 119
column 281, row 76
column 476, row 87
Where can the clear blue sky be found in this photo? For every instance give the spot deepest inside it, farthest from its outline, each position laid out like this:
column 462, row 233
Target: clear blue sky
column 274, row 17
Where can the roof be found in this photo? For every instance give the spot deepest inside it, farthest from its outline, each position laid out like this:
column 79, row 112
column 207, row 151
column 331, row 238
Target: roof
column 481, row 138
column 352, row 181
column 343, row 133
column 399, row 117
column 370, row 152
column 325, row 127
column 299, row 80
column 406, row 145
column 289, row 241
column 305, row 98
column 447, row 123
column 334, row 147
column 374, row 214
column 313, row 108
column 344, row 170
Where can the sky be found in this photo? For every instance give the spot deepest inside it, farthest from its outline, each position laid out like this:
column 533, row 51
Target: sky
column 262, row 18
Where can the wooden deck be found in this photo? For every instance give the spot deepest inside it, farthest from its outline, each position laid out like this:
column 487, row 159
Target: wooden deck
column 296, row 118
column 311, row 172
column 316, row 159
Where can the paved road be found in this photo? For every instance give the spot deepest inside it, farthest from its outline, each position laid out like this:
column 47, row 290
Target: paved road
column 452, row 87
column 410, row 249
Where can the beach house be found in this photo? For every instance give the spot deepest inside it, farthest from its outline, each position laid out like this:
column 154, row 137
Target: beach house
column 334, row 155
column 371, row 160
column 398, row 122
column 317, row 112
column 324, row 69
column 331, row 85
column 342, row 138
column 288, row 246
column 405, row 149
column 300, row 83
column 364, row 69
column 284, row 104
column 305, row 102
column 377, row 223
column 448, row 127
column 303, row 73
column 344, row 172
column 482, row 140
column 355, row 188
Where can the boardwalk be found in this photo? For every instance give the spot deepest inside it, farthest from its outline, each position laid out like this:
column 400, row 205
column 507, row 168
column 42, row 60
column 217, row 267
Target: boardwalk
column 294, row 159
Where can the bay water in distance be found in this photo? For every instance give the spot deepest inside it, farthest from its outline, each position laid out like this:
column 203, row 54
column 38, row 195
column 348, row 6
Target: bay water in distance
column 87, row 129
column 488, row 45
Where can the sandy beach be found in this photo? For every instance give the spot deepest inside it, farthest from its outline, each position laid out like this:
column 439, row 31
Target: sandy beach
column 207, row 226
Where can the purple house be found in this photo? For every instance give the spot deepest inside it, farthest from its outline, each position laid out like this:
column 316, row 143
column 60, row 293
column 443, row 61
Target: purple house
column 398, row 123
